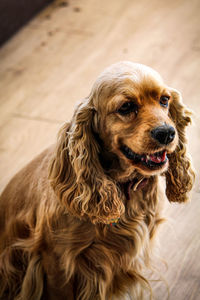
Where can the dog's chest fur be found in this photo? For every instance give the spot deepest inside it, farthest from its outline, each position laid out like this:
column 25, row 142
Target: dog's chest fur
column 102, row 254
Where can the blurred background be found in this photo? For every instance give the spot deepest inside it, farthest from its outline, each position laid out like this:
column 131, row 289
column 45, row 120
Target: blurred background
column 51, row 62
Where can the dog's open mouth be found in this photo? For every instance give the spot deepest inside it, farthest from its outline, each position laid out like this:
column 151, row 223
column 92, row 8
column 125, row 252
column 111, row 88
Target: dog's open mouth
column 152, row 161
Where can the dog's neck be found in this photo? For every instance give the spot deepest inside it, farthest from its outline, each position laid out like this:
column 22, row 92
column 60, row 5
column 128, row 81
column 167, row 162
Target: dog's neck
column 138, row 183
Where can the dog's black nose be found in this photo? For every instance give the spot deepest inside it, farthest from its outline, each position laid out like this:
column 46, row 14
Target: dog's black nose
column 163, row 134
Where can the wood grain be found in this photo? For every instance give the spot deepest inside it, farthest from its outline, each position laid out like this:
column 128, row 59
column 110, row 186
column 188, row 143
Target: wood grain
column 51, row 64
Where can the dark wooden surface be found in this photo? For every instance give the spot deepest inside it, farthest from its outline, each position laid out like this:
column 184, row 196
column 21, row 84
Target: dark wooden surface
column 54, row 60
column 15, row 13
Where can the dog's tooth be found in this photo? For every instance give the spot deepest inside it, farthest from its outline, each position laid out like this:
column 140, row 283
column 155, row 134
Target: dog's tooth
column 126, row 148
column 129, row 151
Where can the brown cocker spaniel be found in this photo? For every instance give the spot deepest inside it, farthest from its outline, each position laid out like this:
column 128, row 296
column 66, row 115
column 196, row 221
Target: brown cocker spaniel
column 78, row 221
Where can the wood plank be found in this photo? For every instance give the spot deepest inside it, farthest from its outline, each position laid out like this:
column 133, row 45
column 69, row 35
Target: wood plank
column 21, row 140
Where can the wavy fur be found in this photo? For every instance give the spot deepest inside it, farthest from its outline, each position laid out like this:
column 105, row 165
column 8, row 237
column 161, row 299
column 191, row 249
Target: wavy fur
column 79, row 221
column 180, row 175
column 92, row 194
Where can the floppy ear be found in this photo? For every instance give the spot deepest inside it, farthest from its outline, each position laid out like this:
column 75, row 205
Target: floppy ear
column 77, row 175
column 180, row 175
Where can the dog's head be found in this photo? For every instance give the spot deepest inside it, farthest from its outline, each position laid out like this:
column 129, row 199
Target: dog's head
column 131, row 125
column 133, row 118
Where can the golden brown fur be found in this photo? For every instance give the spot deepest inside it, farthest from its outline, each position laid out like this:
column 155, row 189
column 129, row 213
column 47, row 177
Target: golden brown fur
column 56, row 241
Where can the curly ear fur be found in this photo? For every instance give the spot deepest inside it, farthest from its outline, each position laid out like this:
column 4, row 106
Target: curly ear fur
column 77, row 175
column 180, row 175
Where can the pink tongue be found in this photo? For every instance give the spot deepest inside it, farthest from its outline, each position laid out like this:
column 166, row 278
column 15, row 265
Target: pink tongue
column 158, row 159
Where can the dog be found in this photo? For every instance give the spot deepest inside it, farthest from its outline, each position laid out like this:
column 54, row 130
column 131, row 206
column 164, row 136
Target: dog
column 78, row 222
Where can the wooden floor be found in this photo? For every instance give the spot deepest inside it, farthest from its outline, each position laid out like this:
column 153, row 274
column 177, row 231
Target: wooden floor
column 52, row 63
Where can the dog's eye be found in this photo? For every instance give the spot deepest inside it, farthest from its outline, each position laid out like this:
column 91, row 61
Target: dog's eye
column 164, row 101
column 127, row 108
